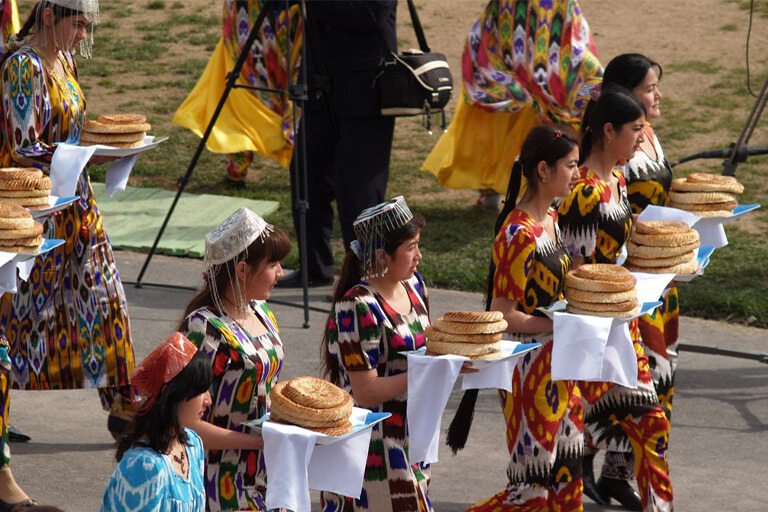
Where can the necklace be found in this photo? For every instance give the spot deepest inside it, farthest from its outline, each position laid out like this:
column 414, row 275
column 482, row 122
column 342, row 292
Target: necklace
column 180, row 459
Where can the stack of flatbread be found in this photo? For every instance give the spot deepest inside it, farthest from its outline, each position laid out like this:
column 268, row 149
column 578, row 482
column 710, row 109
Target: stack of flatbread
column 706, row 195
column 473, row 334
column 312, row 403
column 601, row 290
column 116, row 130
column 663, row 247
column 18, row 231
column 25, row 186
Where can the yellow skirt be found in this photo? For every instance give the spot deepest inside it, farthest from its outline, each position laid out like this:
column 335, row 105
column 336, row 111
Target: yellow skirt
column 479, row 148
column 245, row 123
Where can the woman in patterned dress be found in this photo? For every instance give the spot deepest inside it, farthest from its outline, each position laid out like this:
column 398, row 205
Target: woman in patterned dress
column 380, row 308
column 232, row 325
column 649, row 176
column 67, row 327
column 596, row 221
column 525, row 63
column 544, row 417
column 252, row 122
column 161, row 461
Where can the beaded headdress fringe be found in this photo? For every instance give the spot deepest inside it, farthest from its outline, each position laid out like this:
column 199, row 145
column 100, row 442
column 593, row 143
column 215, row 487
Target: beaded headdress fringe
column 371, row 227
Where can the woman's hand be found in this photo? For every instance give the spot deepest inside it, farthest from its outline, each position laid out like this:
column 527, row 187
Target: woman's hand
column 369, row 390
column 467, row 368
column 517, row 320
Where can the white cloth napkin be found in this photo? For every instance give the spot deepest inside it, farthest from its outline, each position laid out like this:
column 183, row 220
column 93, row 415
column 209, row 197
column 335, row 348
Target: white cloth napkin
column 118, row 173
column 67, row 163
column 592, row 348
column 296, row 464
column 25, row 268
column 650, row 287
column 7, row 276
column 710, row 230
column 430, row 381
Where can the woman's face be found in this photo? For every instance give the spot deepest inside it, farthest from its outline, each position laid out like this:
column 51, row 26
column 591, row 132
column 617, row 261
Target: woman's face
column 561, row 178
column 190, row 411
column 403, row 263
column 649, row 94
column 261, row 279
column 69, row 31
column 626, row 142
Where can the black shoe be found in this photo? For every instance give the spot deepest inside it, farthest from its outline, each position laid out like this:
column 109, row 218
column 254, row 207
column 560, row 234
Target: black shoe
column 233, row 183
column 294, row 281
column 621, row 491
column 17, row 436
column 588, row 480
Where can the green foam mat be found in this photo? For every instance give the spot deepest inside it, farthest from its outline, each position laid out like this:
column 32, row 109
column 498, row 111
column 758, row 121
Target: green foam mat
column 133, row 218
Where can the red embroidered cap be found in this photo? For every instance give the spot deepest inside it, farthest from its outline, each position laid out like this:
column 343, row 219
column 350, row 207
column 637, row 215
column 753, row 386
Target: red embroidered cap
column 160, row 367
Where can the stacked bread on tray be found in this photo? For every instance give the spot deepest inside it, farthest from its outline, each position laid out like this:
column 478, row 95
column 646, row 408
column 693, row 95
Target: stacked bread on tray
column 473, row 334
column 312, row 403
column 116, row 130
column 27, row 187
column 663, row 247
column 706, row 195
column 18, row 231
column 601, row 290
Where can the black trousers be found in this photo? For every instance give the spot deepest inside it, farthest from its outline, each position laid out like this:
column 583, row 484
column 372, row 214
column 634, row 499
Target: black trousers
column 351, row 168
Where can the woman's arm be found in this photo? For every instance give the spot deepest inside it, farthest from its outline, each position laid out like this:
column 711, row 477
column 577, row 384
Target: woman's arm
column 218, row 438
column 519, row 321
column 369, row 390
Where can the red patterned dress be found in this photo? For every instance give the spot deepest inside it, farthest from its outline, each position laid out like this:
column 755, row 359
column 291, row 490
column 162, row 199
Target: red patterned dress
column 648, row 182
column 616, row 418
column 544, row 417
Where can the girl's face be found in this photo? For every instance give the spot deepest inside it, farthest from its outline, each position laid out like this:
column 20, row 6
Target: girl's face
column 403, row 263
column 261, row 279
column 649, row 94
column 626, row 141
column 68, row 32
column 190, row 411
column 560, row 179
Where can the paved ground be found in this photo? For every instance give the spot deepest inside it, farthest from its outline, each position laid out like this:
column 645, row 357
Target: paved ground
column 718, row 450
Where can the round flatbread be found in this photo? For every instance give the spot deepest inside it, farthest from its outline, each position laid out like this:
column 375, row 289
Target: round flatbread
column 661, row 262
column 32, row 182
column 118, row 145
column 433, row 334
column 611, row 314
column 599, row 297
column 464, row 328
column 649, row 251
column 665, row 240
column 618, row 307
column 14, row 234
column 473, row 316
column 17, row 173
column 314, row 392
column 28, row 201
column 682, row 269
column 108, row 138
column 700, row 197
column 730, row 205
column 660, row 227
column 573, row 281
column 463, row 349
column 24, row 193
column 98, row 127
column 121, row 119
column 305, row 416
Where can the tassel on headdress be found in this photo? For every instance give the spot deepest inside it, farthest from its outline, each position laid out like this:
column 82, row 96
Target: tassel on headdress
column 371, row 226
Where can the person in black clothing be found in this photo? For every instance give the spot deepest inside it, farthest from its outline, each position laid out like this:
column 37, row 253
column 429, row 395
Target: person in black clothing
column 348, row 141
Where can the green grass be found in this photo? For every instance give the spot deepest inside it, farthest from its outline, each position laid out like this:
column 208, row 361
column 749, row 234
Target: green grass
column 154, row 68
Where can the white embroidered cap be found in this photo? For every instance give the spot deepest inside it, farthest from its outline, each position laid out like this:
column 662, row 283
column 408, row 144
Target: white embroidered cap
column 233, row 236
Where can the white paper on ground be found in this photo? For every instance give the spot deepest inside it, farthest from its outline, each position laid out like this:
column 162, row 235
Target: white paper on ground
column 67, row 163
column 430, row 381
column 299, row 464
column 118, row 173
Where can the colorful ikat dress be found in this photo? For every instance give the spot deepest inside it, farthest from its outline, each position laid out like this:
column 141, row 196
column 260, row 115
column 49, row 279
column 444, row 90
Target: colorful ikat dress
column 649, row 178
column 244, row 370
column 366, row 333
column 145, row 480
column 596, row 227
column 544, row 417
column 524, row 63
column 67, row 326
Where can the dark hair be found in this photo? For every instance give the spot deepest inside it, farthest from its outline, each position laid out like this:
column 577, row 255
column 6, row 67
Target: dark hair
column 160, row 424
column 59, row 12
column 351, row 274
column 629, row 70
column 542, row 144
column 270, row 249
column 616, row 105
